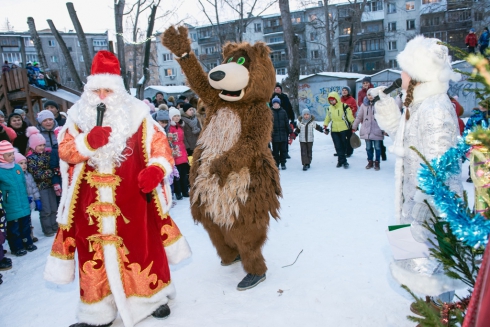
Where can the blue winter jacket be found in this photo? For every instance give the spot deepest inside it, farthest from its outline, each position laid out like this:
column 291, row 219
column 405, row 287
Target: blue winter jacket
column 14, row 189
column 484, row 39
column 476, row 119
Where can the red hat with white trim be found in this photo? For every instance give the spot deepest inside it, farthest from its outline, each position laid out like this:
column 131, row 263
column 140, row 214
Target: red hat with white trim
column 105, row 72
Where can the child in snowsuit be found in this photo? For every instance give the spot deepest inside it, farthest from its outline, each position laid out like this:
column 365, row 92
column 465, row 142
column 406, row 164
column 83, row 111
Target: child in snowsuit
column 38, row 166
column 176, row 135
column 32, row 190
column 370, row 131
column 340, row 115
column 16, row 205
column 5, row 263
column 305, row 127
column 281, row 129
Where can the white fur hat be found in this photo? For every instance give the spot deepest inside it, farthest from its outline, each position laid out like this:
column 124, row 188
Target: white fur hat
column 173, row 112
column 426, row 61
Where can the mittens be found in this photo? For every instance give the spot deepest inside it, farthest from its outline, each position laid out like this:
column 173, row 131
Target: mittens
column 149, row 178
column 98, row 136
column 39, row 206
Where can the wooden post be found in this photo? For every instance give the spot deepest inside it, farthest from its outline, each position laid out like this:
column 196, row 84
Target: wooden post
column 23, row 51
column 64, row 106
column 27, row 90
column 8, row 106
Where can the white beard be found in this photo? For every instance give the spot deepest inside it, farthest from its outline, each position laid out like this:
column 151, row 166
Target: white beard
column 117, row 117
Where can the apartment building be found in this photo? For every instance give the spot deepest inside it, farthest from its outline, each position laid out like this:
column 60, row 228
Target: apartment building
column 382, row 29
column 11, row 44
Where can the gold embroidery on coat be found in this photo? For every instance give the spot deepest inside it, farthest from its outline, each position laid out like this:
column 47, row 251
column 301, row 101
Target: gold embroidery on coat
column 61, row 249
column 93, row 281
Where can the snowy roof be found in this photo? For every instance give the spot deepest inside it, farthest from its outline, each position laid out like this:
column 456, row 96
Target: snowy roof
column 169, row 89
column 386, row 70
column 457, row 62
column 280, row 78
column 341, row 74
column 132, row 90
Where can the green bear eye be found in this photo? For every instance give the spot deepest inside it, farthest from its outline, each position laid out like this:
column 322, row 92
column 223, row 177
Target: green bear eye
column 241, row 61
column 229, row 60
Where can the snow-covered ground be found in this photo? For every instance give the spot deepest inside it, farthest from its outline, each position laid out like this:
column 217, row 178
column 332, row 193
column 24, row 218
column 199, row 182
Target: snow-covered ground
column 338, row 219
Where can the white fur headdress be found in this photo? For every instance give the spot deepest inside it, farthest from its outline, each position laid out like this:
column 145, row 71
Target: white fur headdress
column 426, row 61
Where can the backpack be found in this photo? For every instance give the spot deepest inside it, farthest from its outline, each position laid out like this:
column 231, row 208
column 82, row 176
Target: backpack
column 349, row 125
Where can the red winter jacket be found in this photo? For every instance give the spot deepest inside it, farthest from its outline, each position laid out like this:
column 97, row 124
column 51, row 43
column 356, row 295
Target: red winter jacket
column 471, row 40
column 351, row 102
column 362, row 94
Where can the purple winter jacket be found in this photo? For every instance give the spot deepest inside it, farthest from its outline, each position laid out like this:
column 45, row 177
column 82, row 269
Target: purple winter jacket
column 369, row 126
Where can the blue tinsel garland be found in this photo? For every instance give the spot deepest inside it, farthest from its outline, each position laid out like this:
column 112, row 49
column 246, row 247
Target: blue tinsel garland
column 473, row 231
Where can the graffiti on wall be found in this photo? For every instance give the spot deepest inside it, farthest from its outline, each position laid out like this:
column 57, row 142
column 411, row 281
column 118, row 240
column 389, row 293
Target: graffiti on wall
column 316, row 100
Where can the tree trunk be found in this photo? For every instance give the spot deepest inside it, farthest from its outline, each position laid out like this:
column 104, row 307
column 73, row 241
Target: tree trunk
column 355, row 23
column 118, row 14
column 22, row 50
column 330, row 66
column 146, row 60
column 136, row 46
column 37, row 43
column 292, row 43
column 66, row 54
column 87, row 58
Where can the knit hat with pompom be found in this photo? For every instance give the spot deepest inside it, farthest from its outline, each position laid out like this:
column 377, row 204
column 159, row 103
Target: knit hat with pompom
column 35, row 137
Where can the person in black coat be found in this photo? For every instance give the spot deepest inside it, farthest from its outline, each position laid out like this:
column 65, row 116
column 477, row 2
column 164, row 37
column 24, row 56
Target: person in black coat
column 285, row 103
column 280, row 131
column 16, row 122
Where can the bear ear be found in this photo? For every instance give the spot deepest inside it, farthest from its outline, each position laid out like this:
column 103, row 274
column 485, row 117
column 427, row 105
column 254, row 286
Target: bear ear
column 261, row 49
column 229, row 48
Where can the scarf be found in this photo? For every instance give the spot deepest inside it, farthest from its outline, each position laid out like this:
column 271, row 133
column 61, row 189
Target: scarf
column 192, row 122
column 7, row 165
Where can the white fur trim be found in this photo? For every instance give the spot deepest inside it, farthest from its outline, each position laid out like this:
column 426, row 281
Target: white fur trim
column 103, row 81
column 387, row 115
column 99, row 313
column 424, row 284
column 67, row 194
column 111, row 262
column 142, row 307
column 178, row 251
column 59, row 271
column 398, row 189
column 82, row 146
column 425, row 60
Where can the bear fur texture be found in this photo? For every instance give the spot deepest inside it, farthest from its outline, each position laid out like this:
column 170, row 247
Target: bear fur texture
column 235, row 182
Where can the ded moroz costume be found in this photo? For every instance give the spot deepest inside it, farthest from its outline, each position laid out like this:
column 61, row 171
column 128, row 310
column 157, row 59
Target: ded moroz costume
column 114, row 208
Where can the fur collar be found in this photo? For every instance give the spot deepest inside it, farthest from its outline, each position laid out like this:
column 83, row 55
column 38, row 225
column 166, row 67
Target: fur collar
column 428, row 89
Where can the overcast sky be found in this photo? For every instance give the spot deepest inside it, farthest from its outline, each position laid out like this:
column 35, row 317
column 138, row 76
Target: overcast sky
column 98, row 15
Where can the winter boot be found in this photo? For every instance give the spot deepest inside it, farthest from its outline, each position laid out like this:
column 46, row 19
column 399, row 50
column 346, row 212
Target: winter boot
column 19, row 253
column 250, row 281
column 335, row 155
column 31, row 248
column 376, row 165
column 1, row 281
column 283, row 166
column 178, row 196
column 308, row 166
column 5, row 264
column 469, row 180
column 305, row 167
column 82, row 324
column 338, row 165
column 346, row 165
column 237, row 259
column 162, row 312
column 370, row 164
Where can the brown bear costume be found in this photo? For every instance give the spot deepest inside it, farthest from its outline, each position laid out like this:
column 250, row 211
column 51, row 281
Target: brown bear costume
column 235, row 182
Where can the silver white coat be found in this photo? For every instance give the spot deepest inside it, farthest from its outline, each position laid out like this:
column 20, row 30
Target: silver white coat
column 432, row 129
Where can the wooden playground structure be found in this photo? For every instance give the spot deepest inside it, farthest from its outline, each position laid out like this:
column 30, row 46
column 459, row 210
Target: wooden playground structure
column 16, row 90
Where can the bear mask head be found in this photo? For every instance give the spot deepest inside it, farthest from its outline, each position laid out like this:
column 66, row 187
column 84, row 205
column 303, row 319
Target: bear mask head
column 246, row 73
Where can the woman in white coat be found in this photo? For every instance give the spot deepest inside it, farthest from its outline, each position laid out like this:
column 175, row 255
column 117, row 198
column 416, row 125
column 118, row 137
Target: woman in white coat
column 429, row 123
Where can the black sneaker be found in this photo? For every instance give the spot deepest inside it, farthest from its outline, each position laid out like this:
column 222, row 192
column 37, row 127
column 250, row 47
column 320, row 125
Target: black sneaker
column 338, row 165
column 250, row 281
column 185, row 195
column 19, row 253
column 31, row 248
column 82, row 324
column 469, row 180
column 35, row 239
column 5, row 264
column 308, row 166
column 237, row 259
column 346, row 165
column 348, row 155
column 162, row 312
column 305, row 167
column 178, row 196
column 283, row 166
column 287, row 156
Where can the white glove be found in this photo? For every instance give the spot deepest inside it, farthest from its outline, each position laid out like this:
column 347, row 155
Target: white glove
column 378, row 91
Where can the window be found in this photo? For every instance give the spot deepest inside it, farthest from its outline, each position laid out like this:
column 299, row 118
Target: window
column 28, row 42
column 373, row 28
column 205, row 33
column 354, row 68
column 392, row 26
column 69, row 49
column 392, row 45
column 315, row 54
column 392, row 63
column 437, row 35
column 431, row 21
column 273, row 22
column 168, row 57
column 54, row 59
column 78, row 44
column 425, row 2
column 209, row 50
column 100, row 43
column 169, row 72
column 410, row 24
column 281, row 71
column 31, row 57
column 212, row 65
column 369, row 45
column 344, row 12
column 372, row 65
column 276, row 39
column 257, row 27
column 51, row 43
column 313, row 17
column 459, row 16
column 374, row 6
column 193, row 37
column 295, row 19
column 391, row 8
column 81, row 58
column 278, row 55
column 410, row 5
column 12, row 57
column 345, row 31
column 196, row 52
column 313, row 36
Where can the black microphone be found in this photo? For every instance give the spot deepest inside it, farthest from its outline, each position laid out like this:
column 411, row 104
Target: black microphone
column 396, row 84
column 100, row 113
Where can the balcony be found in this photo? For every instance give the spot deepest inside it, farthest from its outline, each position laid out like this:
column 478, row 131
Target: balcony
column 299, row 27
column 210, row 56
column 207, row 39
column 273, row 29
column 364, row 55
column 277, row 46
column 280, row 63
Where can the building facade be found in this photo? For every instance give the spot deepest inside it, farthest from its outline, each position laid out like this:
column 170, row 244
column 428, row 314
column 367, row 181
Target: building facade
column 381, row 31
column 11, row 43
